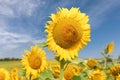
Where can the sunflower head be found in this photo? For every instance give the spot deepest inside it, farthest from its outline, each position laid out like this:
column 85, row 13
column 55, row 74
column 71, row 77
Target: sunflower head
column 14, row 74
column 34, row 62
column 91, row 63
column 115, row 70
column 55, row 70
column 97, row 75
column 68, row 32
column 71, row 71
column 110, row 47
column 20, row 78
column 4, row 74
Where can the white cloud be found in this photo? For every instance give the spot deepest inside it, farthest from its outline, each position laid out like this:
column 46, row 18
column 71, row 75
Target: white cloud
column 9, row 2
column 38, row 41
column 10, row 37
column 2, row 25
column 10, row 47
column 4, row 10
column 11, row 42
column 26, row 7
column 14, row 8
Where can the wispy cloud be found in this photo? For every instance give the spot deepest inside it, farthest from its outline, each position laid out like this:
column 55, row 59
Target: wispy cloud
column 6, row 11
column 15, row 8
column 9, row 37
column 10, row 40
column 98, row 11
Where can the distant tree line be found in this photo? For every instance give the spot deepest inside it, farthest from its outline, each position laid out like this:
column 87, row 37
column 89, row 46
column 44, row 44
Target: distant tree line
column 10, row 59
column 119, row 59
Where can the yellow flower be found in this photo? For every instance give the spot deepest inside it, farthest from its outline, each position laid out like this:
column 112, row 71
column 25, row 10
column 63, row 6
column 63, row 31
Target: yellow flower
column 115, row 70
column 97, row 75
column 4, row 74
column 71, row 71
column 118, row 77
column 34, row 62
column 91, row 63
column 110, row 47
column 14, row 74
column 56, row 70
column 68, row 32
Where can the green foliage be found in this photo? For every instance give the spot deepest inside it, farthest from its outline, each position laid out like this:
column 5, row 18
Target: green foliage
column 45, row 75
column 81, row 76
column 42, row 44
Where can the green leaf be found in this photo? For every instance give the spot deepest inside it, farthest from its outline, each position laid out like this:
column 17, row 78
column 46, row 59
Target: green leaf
column 80, row 77
column 76, row 78
column 22, row 73
column 42, row 44
column 46, row 75
column 77, row 61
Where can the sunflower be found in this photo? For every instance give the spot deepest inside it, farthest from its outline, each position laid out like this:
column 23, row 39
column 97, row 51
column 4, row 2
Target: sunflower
column 4, row 74
column 55, row 70
column 20, row 78
column 71, row 71
column 91, row 63
column 97, row 75
column 115, row 70
column 68, row 32
column 34, row 62
column 14, row 74
column 110, row 47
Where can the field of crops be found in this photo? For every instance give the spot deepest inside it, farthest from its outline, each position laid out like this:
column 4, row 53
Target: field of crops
column 9, row 65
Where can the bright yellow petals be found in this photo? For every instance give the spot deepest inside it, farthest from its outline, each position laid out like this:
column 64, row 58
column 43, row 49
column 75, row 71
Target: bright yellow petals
column 55, row 70
column 110, row 47
column 14, row 74
column 68, row 32
column 97, row 75
column 91, row 63
column 4, row 74
column 118, row 77
column 115, row 70
column 71, row 71
column 34, row 62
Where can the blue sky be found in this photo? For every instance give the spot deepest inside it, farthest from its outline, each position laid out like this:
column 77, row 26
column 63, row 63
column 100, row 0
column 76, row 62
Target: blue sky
column 22, row 24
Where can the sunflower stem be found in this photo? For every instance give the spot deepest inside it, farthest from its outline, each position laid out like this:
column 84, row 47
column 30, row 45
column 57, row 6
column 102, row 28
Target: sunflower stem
column 105, row 64
column 30, row 76
column 62, row 63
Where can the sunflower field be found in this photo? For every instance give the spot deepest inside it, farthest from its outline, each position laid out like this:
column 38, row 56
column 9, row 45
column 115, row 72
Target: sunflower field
column 67, row 33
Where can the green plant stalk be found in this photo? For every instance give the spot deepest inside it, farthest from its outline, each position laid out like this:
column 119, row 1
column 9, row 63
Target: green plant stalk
column 62, row 63
column 61, row 73
column 105, row 61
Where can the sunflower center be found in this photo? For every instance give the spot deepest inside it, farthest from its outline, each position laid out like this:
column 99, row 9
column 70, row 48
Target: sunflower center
column 2, row 76
column 69, row 33
column 35, row 61
column 65, row 36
